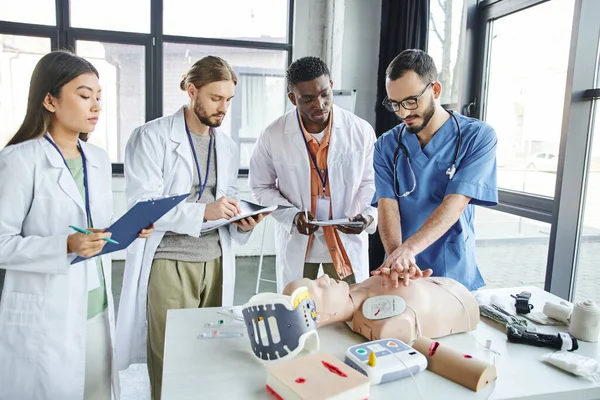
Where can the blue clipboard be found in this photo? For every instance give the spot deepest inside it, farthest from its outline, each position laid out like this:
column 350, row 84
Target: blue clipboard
column 143, row 214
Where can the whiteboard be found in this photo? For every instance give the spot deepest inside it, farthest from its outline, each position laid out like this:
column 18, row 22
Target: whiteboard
column 345, row 99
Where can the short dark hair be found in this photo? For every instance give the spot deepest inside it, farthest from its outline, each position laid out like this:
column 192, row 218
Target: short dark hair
column 306, row 69
column 412, row 60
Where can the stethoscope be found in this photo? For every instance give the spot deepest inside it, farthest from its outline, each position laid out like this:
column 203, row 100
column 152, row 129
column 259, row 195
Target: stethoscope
column 450, row 171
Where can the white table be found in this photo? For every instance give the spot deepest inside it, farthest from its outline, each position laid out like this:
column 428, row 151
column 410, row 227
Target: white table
column 225, row 368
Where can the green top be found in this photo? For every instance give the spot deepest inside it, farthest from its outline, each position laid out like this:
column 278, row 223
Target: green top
column 97, row 300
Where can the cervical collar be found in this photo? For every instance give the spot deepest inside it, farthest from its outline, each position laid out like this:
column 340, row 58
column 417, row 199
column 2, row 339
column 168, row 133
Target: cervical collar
column 279, row 326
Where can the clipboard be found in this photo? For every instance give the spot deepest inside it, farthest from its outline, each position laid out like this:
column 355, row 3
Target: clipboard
column 143, row 214
column 336, row 222
column 248, row 210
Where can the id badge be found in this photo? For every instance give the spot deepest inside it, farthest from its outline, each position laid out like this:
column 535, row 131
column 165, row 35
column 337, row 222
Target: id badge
column 323, row 206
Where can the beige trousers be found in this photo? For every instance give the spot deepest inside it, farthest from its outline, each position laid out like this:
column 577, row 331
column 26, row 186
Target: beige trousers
column 311, row 270
column 176, row 284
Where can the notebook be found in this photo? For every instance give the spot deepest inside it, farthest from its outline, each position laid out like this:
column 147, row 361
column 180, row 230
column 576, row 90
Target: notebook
column 318, row 376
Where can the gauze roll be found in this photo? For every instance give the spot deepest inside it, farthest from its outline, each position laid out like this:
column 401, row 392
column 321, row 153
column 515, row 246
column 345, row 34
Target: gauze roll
column 585, row 321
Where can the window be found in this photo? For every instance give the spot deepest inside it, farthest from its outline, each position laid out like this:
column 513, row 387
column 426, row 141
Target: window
column 41, row 12
column 263, row 99
column 112, row 15
column 444, row 45
column 18, row 57
column 511, row 250
column 260, row 94
column 587, row 280
column 122, row 76
column 256, row 20
column 529, row 55
column 141, row 56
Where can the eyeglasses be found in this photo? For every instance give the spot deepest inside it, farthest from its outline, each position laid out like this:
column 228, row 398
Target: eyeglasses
column 411, row 103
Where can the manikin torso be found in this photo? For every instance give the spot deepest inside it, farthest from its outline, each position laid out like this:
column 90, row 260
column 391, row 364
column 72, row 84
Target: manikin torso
column 442, row 306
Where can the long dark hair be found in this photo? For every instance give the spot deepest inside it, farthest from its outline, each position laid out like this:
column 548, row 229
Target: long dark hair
column 51, row 73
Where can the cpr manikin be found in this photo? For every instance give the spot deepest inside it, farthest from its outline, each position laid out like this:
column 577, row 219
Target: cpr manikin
column 435, row 307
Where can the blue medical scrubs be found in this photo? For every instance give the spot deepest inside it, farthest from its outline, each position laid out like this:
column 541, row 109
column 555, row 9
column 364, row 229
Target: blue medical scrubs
column 452, row 255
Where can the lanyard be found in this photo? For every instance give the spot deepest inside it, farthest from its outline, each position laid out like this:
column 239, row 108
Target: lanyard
column 210, row 145
column 85, row 179
column 322, row 178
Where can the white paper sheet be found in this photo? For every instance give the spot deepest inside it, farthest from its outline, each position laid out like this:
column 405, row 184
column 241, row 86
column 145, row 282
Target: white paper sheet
column 339, row 221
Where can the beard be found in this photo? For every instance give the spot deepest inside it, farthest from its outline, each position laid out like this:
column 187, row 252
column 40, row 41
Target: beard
column 427, row 115
column 206, row 119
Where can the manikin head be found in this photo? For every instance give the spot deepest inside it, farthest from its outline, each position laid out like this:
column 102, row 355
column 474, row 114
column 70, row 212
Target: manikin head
column 331, row 297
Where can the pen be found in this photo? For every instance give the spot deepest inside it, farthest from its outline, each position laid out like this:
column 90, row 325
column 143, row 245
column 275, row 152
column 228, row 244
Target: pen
column 306, row 218
column 217, row 334
column 89, row 233
column 223, row 194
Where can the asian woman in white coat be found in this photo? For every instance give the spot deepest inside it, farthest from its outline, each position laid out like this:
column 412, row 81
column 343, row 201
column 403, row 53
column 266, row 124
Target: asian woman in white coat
column 56, row 318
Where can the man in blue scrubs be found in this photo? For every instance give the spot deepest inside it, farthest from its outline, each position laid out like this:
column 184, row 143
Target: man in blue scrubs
column 445, row 164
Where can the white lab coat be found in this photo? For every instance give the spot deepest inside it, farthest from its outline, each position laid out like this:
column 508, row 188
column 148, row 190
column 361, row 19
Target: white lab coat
column 159, row 161
column 280, row 174
column 43, row 311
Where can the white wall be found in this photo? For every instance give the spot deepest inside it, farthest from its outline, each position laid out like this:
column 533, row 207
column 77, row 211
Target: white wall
column 360, row 55
column 356, row 39
column 355, row 26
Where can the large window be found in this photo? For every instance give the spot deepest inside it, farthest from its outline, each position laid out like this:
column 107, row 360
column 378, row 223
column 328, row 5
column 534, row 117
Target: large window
column 511, row 250
column 529, row 56
column 445, row 45
column 587, row 284
column 255, row 20
column 141, row 55
column 260, row 94
column 122, row 75
column 41, row 12
column 18, row 57
column 536, row 81
column 112, row 15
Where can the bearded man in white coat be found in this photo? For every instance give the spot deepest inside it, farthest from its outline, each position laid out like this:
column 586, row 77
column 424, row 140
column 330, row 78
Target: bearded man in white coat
column 180, row 267
column 317, row 162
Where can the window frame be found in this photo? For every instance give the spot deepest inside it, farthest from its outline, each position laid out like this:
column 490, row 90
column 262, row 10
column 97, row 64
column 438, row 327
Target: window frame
column 63, row 36
column 563, row 212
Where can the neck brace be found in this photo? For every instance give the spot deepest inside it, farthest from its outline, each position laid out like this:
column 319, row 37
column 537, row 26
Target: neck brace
column 279, row 326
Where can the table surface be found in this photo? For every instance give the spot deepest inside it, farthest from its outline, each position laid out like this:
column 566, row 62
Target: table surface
column 226, row 367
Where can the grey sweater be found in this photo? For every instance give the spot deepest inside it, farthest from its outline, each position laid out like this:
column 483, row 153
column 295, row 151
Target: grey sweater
column 206, row 247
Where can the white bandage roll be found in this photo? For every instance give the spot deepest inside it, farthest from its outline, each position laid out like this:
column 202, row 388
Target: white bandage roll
column 560, row 312
column 585, row 321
